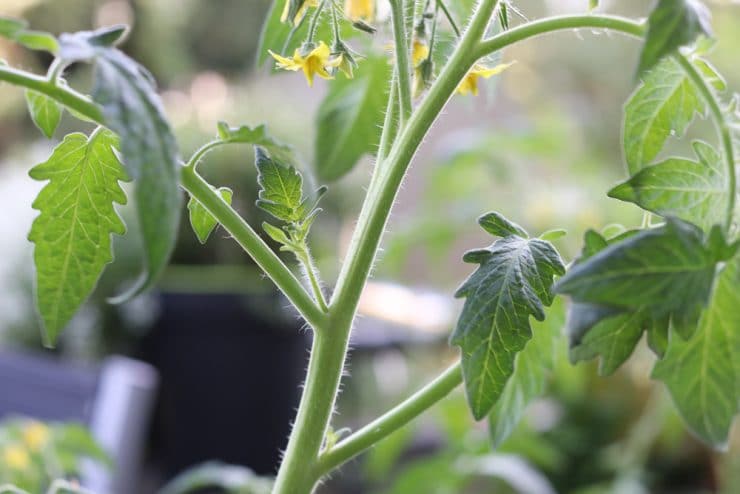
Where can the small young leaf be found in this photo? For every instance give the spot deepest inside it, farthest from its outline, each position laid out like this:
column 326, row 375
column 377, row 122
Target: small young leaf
column 350, row 119
column 668, row 269
column 593, row 4
column 45, row 112
column 201, row 220
column 531, row 370
column 38, row 40
column 512, row 282
column 694, row 191
column 554, row 234
column 281, row 192
column 9, row 27
column 664, row 105
column 671, row 25
column 72, row 235
column 276, row 233
column 703, row 373
column 256, row 136
column 16, row 30
column 710, row 74
column 132, row 109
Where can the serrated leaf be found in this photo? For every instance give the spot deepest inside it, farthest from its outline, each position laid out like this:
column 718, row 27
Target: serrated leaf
column 72, row 235
column 281, row 188
column 257, row 136
column 671, row 25
column 512, row 282
column 201, row 220
column 668, row 269
column 703, row 373
column 664, row 105
column 694, row 191
column 531, row 370
column 350, row 119
column 132, row 109
column 45, row 112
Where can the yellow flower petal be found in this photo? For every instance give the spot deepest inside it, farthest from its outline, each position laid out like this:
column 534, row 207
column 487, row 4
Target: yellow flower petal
column 360, row 9
column 419, row 52
column 489, row 72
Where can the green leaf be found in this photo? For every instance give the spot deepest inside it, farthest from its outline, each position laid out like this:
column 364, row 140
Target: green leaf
column 498, row 226
column 38, row 40
column 72, row 235
column 512, row 282
column 132, row 109
column 710, row 74
column 531, row 371
column 16, row 30
column 201, row 220
column 593, row 4
column 703, row 373
column 281, row 192
column 45, row 112
column 350, row 119
column 668, row 269
column 257, row 136
column 276, row 233
column 664, row 105
column 671, row 25
column 9, row 27
column 613, row 338
column 694, row 191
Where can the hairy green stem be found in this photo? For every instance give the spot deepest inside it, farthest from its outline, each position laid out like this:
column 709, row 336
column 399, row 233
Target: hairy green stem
column 723, row 129
column 559, row 23
column 309, row 266
column 298, row 471
column 392, row 420
column 402, row 59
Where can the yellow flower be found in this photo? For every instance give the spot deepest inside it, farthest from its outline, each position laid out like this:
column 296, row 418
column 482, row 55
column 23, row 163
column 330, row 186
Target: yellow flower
column 299, row 8
column 16, row 458
column 35, row 435
column 469, row 84
column 419, row 52
column 360, row 9
column 314, row 63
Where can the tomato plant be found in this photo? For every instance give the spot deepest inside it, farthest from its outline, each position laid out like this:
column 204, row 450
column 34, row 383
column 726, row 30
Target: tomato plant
column 675, row 278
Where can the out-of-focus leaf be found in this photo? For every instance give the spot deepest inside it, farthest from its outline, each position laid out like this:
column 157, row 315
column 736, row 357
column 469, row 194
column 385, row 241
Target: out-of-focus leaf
column 231, row 478
column 350, row 119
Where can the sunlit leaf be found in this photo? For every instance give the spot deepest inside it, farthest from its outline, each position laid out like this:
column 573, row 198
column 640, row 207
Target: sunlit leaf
column 72, row 235
column 201, row 220
column 45, row 112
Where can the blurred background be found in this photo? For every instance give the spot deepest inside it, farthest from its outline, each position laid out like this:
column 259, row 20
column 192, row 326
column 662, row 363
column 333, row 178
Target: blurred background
column 208, row 367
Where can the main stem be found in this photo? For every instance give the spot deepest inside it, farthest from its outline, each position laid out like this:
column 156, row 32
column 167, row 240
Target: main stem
column 299, row 471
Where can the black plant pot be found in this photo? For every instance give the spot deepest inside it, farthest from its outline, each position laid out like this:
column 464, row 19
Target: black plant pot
column 230, row 381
